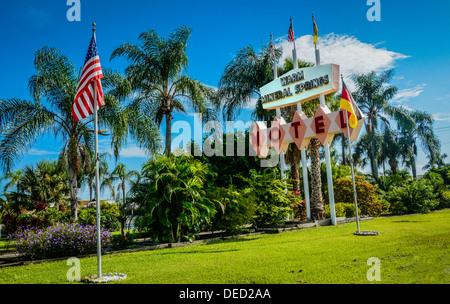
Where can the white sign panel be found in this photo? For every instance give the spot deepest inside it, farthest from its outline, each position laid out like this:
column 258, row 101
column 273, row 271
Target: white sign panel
column 300, row 85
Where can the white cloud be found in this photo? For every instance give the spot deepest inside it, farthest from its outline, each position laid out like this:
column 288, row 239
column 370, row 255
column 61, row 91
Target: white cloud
column 352, row 55
column 133, row 151
column 405, row 94
column 34, row 151
column 442, row 116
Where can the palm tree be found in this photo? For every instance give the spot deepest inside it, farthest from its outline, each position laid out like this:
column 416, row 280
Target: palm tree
column 372, row 95
column 22, row 122
column 14, row 178
column 243, row 76
column 156, row 78
column 121, row 174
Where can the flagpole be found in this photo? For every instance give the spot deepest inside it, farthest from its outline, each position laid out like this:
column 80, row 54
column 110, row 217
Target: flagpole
column 278, row 111
column 327, row 157
column 275, row 72
column 294, row 51
column 97, row 179
column 351, row 165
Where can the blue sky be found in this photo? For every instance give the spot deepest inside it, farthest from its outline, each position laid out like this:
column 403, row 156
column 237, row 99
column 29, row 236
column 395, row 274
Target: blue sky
column 411, row 37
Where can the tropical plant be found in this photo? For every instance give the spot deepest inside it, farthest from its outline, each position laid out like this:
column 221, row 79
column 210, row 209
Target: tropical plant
column 157, row 81
column 22, row 122
column 45, row 183
column 172, row 193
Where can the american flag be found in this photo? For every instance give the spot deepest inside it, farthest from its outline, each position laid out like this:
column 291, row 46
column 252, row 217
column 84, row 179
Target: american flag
column 83, row 105
column 291, row 33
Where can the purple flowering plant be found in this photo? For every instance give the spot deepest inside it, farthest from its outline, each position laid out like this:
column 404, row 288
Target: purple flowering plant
column 60, row 240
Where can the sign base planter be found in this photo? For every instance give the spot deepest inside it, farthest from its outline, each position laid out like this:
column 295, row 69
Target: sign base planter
column 108, row 277
column 366, row 233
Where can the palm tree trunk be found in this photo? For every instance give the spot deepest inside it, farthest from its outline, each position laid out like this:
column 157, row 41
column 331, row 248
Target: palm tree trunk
column 73, row 186
column 295, row 177
column 413, row 167
column 124, row 209
column 343, row 148
column 73, row 178
column 373, row 160
column 169, row 133
column 317, row 211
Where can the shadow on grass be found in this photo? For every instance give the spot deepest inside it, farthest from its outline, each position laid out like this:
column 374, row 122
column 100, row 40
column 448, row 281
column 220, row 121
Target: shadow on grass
column 409, row 221
column 244, row 239
column 198, row 251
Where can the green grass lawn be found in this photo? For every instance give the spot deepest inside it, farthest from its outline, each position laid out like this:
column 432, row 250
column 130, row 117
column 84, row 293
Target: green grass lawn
column 412, row 249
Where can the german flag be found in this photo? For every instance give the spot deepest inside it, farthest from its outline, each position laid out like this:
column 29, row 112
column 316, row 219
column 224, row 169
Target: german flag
column 316, row 32
column 348, row 103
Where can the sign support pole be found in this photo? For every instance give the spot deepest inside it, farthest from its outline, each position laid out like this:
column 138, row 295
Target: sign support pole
column 305, row 174
column 327, row 157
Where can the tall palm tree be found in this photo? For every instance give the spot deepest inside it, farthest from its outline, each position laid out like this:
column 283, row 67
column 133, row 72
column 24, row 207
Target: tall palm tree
column 372, row 95
column 53, row 89
column 157, row 81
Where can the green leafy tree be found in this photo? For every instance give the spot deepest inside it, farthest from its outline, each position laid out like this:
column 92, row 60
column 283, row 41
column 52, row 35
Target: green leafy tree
column 53, row 89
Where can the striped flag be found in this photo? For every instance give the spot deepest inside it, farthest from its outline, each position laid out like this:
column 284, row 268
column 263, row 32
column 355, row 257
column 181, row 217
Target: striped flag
column 348, row 103
column 89, row 84
column 316, row 32
column 291, row 36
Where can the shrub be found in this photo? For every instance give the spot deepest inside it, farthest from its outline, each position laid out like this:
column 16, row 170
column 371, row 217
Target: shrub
column 416, row 196
column 239, row 209
column 272, row 196
column 299, row 208
column 60, row 240
column 107, row 220
column 122, row 241
column 41, row 219
column 342, row 209
column 444, row 200
column 367, row 197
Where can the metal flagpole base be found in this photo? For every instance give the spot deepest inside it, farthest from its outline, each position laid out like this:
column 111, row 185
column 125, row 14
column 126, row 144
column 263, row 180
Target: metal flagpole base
column 366, row 233
column 105, row 278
